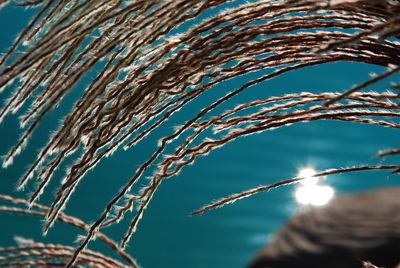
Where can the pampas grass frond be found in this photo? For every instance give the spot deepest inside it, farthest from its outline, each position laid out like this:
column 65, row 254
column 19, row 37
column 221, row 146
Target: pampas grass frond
column 144, row 72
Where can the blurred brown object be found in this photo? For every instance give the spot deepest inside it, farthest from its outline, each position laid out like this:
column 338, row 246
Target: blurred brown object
column 367, row 264
column 347, row 231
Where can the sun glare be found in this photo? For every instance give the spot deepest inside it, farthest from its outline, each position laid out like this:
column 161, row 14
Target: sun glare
column 310, row 192
column 308, row 174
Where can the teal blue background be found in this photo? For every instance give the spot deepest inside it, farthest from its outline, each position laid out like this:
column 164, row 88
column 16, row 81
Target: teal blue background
column 226, row 237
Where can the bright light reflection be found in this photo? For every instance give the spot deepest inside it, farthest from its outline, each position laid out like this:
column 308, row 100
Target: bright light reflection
column 308, row 173
column 317, row 195
column 310, row 192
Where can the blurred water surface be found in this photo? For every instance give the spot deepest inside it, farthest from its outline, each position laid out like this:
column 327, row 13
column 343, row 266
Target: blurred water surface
column 230, row 236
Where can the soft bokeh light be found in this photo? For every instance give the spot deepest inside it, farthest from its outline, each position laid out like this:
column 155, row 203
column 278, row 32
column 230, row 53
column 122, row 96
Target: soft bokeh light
column 317, row 195
column 310, row 192
column 308, row 174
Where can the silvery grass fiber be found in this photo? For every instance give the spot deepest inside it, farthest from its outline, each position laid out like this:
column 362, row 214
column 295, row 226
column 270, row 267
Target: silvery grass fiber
column 148, row 73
